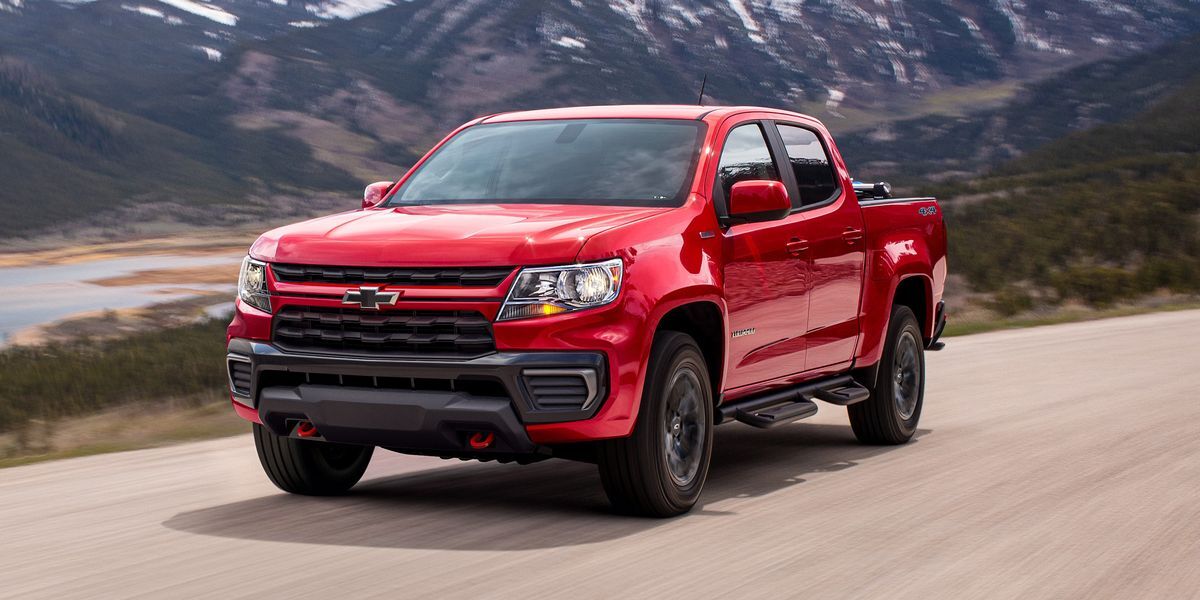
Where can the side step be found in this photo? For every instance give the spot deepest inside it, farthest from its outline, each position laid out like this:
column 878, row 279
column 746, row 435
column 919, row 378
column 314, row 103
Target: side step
column 783, row 406
column 783, row 413
column 844, row 396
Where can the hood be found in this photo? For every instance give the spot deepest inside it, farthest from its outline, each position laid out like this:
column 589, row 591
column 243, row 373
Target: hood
column 482, row 235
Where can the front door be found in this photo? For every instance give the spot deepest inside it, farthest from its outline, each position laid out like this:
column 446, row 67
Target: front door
column 765, row 280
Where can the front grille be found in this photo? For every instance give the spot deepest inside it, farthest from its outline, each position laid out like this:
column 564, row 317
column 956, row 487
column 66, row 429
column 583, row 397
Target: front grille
column 239, row 376
column 461, row 277
column 552, row 389
column 391, row 332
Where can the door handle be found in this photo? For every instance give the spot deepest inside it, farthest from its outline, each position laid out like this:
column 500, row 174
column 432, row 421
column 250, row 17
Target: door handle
column 797, row 246
column 852, row 235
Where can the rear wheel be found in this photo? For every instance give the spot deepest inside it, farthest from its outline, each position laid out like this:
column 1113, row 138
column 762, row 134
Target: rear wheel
column 891, row 414
column 310, row 467
column 660, row 470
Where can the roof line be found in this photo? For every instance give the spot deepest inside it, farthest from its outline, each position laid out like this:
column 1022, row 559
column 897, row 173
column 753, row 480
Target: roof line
column 484, row 119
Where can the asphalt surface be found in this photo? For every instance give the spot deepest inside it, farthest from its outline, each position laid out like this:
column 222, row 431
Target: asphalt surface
column 1054, row 462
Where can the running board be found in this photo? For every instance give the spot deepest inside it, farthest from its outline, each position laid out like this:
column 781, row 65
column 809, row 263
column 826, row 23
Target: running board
column 784, row 413
column 787, row 405
column 844, row 396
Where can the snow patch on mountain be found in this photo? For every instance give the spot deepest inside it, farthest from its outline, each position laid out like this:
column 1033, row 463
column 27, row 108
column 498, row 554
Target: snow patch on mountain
column 153, row 13
column 208, row 11
column 567, row 41
column 748, row 22
column 211, row 53
column 637, row 11
column 145, row 10
column 346, row 9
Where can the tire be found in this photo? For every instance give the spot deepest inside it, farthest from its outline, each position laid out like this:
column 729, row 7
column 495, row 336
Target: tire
column 891, row 414
column 310, row 467
column 659, row 470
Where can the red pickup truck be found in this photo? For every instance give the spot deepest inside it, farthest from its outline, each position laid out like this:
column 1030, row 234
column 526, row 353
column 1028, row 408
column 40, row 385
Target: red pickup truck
column 604, row 284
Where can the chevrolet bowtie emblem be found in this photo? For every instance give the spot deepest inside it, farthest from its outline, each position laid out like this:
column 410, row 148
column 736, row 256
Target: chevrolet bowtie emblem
column 370, row 297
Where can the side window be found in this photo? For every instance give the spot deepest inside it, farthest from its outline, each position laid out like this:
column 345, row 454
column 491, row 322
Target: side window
column 745, row 156
column 814, row 175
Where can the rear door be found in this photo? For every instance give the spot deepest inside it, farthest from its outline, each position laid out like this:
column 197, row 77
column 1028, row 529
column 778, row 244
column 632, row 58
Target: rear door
column 833, row 226
column 765, row 281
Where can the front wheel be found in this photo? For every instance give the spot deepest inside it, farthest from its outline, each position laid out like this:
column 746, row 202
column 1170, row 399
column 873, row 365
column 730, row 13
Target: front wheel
column 310, row 467
column 890, row 415
column 660, row 470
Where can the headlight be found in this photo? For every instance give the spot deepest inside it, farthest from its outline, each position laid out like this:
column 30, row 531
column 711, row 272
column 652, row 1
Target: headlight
column 543, row 291
column 252, row 284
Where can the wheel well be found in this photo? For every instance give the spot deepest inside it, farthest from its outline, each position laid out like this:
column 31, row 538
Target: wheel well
column 911, row 293
column 702, row 321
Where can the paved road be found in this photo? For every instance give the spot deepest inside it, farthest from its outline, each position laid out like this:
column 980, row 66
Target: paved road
column 1054, row 462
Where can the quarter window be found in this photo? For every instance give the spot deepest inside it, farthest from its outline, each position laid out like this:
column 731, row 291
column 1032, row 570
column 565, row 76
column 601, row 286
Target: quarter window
column 814, row 175
column 745, row 156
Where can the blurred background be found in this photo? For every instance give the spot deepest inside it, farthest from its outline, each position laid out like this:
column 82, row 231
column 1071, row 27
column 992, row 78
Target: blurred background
column 145, row 143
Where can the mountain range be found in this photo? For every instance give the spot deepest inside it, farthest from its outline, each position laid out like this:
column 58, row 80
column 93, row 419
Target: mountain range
column 115, row 112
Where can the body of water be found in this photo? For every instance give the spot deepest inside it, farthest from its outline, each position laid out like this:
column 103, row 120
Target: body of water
column 38, row 295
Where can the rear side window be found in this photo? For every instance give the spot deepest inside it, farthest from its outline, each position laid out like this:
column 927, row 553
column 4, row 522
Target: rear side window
column 745, row 156
column 810, row 163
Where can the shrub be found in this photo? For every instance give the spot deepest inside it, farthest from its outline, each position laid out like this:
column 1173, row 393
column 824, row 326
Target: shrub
column 62, row 380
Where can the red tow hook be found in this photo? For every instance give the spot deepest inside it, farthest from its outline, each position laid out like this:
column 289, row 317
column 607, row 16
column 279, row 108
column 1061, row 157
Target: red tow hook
column 481, row 440
column 306, row 429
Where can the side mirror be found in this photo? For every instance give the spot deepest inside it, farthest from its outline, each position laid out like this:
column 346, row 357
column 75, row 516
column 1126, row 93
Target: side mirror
column 374, row 193
column 756, row 200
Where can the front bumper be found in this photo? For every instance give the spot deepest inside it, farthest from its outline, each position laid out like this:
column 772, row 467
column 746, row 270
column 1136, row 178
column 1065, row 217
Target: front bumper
column 421, row 405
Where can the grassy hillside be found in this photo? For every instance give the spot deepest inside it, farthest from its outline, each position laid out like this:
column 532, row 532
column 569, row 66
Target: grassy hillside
column 67, row 160
column 1098, row 216
column 65, row 380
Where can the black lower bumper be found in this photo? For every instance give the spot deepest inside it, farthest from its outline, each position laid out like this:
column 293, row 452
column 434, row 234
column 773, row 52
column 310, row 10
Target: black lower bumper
column 415, row 405
column 427, row 422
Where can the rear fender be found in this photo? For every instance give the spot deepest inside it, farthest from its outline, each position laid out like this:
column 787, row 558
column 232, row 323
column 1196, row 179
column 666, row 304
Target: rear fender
column 897, row 258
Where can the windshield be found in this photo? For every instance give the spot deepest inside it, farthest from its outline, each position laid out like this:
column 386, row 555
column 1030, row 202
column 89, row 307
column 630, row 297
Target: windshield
column 634, row 162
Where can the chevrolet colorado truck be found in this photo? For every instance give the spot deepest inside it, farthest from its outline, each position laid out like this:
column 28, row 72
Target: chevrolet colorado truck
column 605, row 284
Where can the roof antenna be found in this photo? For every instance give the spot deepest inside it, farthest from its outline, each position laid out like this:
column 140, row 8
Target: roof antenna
column 702, row 84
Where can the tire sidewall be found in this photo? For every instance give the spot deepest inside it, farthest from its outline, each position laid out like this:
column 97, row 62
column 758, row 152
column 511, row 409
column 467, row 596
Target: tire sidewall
column 903, row 320
column 313, row 454
column 682, row 354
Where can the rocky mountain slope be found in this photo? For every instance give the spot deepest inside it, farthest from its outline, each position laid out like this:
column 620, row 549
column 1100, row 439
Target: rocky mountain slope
column 1074, row 101
column 315, row 96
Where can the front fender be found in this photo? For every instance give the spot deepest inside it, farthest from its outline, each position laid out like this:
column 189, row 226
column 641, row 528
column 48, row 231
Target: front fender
column 668, row 264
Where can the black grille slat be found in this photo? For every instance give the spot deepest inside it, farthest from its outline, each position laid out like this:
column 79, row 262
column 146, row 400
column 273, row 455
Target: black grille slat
column 461, row 277
column 579, row 390
column 239, row 376
column 550, row 380
column 556, row 391
column 392, row 332
column 549, row 401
